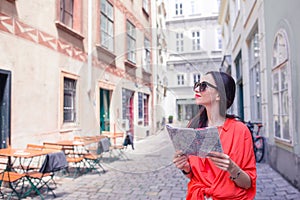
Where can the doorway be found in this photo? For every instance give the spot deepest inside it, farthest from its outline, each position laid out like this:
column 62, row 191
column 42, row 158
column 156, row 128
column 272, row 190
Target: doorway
column 105, row 96
column 5, row 101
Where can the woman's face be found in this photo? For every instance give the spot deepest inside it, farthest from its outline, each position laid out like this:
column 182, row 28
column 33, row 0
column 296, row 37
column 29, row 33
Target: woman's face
column 206, row 93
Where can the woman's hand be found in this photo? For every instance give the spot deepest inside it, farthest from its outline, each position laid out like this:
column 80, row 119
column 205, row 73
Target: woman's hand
column 221, row 160
column 181, row 162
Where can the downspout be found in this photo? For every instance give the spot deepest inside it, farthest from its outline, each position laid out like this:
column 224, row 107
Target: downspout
column 89, row 69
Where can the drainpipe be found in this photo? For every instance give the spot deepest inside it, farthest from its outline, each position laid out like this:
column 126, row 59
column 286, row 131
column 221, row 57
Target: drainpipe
column 89, row 69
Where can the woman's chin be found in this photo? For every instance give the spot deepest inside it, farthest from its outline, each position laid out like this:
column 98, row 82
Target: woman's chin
column 198, row 102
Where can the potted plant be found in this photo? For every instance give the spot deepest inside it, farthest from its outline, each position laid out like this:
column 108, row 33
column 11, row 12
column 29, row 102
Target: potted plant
column 170, row 119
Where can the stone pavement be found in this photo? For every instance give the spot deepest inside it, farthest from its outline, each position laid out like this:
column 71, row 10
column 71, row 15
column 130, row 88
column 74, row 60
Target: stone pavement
column 148, row 173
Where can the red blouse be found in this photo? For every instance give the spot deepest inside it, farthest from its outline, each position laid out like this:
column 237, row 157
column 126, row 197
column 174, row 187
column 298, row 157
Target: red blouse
column 213, row 182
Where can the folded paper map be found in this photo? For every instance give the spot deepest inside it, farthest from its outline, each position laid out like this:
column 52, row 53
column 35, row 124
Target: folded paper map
column 198, row 142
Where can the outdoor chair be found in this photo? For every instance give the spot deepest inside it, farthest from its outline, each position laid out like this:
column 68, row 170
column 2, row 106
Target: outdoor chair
column 53, row 163
column 14, row 181
column 94, row 155
column 73, row 156
column 117, row 147
column 116, row 144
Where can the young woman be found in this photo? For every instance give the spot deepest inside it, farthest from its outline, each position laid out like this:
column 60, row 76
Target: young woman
column 227, row 175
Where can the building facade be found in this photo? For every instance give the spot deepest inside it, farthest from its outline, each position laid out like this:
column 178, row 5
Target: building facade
column 159, row 52
column 260, row 48
column 74, row 68
column 194, row 48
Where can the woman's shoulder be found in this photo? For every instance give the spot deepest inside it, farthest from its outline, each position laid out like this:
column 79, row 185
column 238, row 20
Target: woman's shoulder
column 236, row 123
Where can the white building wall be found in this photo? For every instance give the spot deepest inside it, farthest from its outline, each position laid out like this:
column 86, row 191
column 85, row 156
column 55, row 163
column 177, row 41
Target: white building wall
column 268, row 17
column 189, row 61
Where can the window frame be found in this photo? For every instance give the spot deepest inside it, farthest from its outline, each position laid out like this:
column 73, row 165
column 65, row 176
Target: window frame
column 179, row 42
column 219, row 39
column 178, row 8
column 147, row 55
column 140, row 106
column 64, row 13
column 255, row 80
column 180, row 79
column 282, row 89
column 107, row 35
column 196, row 40
column 63, row 122
column 131, row 42
column 196, row 77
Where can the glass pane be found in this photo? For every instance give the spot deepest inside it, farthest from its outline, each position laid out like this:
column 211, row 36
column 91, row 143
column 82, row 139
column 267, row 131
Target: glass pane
column 103, row 6
column 275, row 82
column 69, row 6
column 284, row 81
column 276, row 126
column 110, row 29
column 276, row 104
column 110, row 11
column 275, row 50
column 68, row 20
column 282, row 48
column 285, row 102
column 103, row 23
column 140, row 104
column 285, row 128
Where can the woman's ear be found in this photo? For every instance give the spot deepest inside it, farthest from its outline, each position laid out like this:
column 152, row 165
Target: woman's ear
column 218, row 97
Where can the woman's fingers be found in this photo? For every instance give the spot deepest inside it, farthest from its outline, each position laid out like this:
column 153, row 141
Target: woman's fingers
column 178, row 154
column 180, row 160
column 221, row 160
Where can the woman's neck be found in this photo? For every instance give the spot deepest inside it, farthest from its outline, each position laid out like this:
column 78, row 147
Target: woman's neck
column 214, row 117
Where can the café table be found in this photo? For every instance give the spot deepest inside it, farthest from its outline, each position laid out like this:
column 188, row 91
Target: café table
column 20, row 154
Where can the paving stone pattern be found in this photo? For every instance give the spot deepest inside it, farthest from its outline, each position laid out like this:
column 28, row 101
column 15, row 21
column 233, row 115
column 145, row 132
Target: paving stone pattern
column 148, row 173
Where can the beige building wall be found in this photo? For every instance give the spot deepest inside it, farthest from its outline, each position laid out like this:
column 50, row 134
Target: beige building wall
column 39, row 51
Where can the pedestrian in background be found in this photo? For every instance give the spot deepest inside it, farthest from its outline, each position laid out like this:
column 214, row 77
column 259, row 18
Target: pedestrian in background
column 227, row 175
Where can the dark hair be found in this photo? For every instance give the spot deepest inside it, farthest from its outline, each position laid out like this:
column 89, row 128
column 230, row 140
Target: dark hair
column 226, row 89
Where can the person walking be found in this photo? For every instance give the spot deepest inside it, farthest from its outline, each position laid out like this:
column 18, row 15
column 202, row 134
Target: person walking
column 227, row 175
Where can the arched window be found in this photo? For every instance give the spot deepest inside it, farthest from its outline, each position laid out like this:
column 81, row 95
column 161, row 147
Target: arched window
column 281, row 88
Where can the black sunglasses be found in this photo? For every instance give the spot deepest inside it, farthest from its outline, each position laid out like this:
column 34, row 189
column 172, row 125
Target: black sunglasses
column 203, row 85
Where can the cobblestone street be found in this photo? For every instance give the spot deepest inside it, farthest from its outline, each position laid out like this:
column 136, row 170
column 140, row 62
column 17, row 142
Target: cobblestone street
column 148, row 173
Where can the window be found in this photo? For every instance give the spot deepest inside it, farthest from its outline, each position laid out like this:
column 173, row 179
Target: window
column 127, row 97
column 180, row 79
column 69, row 100
column 178, row 8
column 66, row 12
column 197, row 77
column 239, row 85
column 107, row 25
column 147, row 55
column 179, row 42
column 255, row 82
column 192, row 7
column 146, row 109
column 281, row 88
column 131, row 40
column 219, row 39
column 196, row 40
column 145, row 6
column 140, row 104
column 143, row 100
